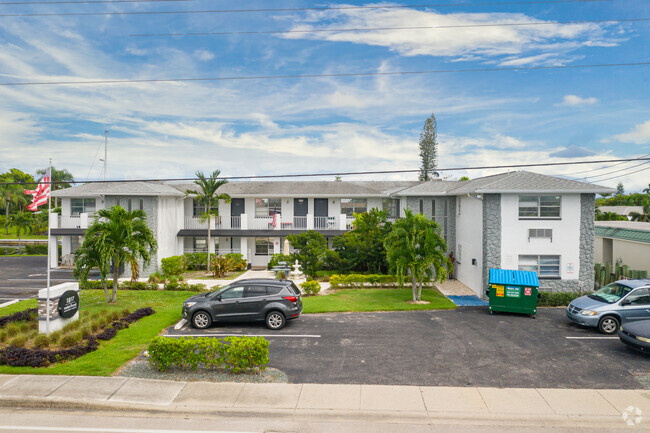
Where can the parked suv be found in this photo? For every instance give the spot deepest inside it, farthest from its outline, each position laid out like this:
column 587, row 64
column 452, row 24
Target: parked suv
column 620, row 302
column 269, row 300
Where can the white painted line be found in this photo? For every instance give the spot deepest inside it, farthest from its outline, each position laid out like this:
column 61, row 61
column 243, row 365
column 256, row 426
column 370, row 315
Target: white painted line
column 40, row 279
column 180, row 324
column 6, row 304
column 243, row 335
column 591, row 338
column 106, row 429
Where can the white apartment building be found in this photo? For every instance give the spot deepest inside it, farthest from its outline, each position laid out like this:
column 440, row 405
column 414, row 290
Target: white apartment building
column 517, row 220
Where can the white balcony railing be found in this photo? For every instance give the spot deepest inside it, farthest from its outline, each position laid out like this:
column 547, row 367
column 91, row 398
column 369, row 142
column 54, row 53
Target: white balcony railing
column 325, row 223
column 264, row 223
column 299, row 222
column 349, row 222
column 79, row 221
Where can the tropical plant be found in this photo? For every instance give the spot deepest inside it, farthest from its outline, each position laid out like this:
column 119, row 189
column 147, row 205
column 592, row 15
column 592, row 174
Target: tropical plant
column 122, row 237
column 609, row 216
column 12, row 194
column 87, row 257
column 311, row 247
column 221, row 265
column 415, row 246
column 23, row 222
column 207, row 195
column 643, row 216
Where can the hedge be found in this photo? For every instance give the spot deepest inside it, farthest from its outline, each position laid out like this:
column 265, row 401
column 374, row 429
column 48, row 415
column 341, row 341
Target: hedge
column 310, row 287
column 557, row 299
column 359, row 280
column 196, row 261
column 236, row 354
column 185, row 287
column 173, row 266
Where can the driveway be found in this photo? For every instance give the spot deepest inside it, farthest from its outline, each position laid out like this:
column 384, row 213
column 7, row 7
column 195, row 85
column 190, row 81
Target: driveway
column 463, row 347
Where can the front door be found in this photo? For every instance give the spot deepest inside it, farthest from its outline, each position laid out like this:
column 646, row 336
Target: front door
column 236, row 209
column 320, row 213
column 300, row 211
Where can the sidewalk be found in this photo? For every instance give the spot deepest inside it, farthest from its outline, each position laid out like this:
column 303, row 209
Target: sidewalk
column 516, row 406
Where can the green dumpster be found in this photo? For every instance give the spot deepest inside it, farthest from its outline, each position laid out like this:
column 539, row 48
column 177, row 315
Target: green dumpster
column 513, row 291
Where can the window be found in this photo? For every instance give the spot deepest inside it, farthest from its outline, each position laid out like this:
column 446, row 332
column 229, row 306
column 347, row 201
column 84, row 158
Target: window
column 350, row 206
column 198, row 208
column 273, row 290
column 445, row 211
column 545, row 266
column 422, row 206
column 255, row 291
column 234, row 293
column 540, row 234
column 82, row 205
column 141, row 204
column 391, row 207
column 200, row 244
column 267, row 207
column 639, row 297
column 433, row 210
column 539, row 206
column 263, row 246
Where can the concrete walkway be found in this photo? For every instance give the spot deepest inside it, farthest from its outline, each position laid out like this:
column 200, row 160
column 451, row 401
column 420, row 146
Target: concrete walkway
column 558, row 407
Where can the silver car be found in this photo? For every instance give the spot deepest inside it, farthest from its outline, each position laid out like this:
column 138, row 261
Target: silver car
column 619, row 302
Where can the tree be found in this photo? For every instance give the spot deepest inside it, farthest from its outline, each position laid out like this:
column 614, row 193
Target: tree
column 62, row 175
column 23, row 222
column 120, row 236
column 609, row 216
column 13, row 194
column 428, row 148
column 311, row 247
column 643, row 216
column 415, row 246
column 87, row 257
column 619, row 189
column 207, row 195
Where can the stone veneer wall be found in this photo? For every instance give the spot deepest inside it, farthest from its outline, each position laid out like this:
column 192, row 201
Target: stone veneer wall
column 585, row 281
column 491, row 234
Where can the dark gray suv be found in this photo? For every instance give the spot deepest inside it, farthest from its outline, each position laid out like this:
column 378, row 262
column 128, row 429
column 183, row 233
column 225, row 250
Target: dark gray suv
column 269, row 300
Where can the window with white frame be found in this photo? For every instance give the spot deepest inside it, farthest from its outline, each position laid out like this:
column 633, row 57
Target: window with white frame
column 391, row 207
column 200, row 244
column 198, row 208
column 544, row 266
column 350, row 206
column 82, row 205
column 539, row 206
column 263, row 246
column 268, row 206
column 540, row 234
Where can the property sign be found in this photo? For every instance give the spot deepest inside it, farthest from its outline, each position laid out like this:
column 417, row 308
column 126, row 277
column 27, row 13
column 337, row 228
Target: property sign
column 499, row 290
column 68, row 304
column 569, row 268
column 512, row 292
column 528, row 291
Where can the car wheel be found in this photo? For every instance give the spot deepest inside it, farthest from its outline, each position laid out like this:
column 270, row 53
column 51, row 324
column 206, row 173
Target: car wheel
column 275, row 320
column 609, row 325
column 201, row 320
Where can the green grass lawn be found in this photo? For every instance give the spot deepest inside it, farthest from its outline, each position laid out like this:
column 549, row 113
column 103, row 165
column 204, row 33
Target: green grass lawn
column 12, row 234
column 374, row 300
column 126, row 345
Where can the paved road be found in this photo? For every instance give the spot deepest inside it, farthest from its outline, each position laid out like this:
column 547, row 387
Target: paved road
column 463, row 347
column 23, row 277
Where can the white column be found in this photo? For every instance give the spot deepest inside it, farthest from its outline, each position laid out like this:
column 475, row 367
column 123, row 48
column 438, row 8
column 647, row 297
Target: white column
column 83, row 220
column 343, row 222
column 243, row 245
column 244, row 223
column 310, row 221
column 54, row 220
column 54, row 252
column 276, row 245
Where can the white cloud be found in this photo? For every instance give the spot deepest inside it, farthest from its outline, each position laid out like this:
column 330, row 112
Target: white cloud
column 574, row 100
column 137, row 51
column 640, row 134
column 203, row 55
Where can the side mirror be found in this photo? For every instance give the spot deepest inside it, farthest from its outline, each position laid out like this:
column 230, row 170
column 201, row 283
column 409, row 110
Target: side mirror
column 625, row 302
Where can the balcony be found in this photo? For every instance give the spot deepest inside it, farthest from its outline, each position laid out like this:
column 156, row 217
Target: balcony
column 79, row 221
column 246, row 222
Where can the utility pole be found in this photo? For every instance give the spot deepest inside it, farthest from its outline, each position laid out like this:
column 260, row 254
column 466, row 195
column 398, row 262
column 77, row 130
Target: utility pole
column 105, row 152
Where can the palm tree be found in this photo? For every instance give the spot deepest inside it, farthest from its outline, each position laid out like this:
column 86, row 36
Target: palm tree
column 645, row 215
column 415, row 246
column 87, row 257
column 121, row 236
column 12, row 194
column 206, row 194
column 23, row 222
column 63, row 176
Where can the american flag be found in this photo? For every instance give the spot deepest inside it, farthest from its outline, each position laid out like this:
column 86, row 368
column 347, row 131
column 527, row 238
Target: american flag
column 41, row 193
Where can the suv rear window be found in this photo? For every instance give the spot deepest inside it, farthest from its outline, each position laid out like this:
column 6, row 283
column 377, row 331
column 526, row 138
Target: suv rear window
column 274, row 290
column 294, row 288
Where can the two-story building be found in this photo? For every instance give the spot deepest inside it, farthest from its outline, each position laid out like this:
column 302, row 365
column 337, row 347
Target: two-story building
column 517, row 220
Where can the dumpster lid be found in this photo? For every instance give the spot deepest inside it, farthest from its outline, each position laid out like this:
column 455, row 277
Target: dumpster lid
column 509, row 276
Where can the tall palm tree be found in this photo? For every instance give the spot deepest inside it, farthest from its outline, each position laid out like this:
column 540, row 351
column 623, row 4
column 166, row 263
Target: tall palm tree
column 12, row 194
column 23, row 222
column 87, row 257
column 121, row 236
column 207, row 195
column 415, row 245
column 62, row 175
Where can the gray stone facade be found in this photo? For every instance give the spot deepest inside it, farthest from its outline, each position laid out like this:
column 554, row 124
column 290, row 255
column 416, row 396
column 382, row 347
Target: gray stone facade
column 491, row 234
column 585, row 281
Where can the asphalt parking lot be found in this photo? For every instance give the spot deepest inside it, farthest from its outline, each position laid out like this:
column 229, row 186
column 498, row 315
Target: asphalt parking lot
column 22, row 277
column 463, row 347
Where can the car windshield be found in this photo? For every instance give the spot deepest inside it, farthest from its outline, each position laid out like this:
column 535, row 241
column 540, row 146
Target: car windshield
column 611, row 293
column 220, row 291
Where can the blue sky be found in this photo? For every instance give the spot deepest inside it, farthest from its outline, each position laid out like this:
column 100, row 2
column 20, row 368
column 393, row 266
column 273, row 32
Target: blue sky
column 325, row 124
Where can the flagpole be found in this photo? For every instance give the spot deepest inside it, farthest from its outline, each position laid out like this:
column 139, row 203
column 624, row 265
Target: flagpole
column 49, row 226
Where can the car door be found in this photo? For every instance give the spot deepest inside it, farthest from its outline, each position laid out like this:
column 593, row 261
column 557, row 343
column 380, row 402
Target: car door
column 228, row 306
column 255, row 297
column 636, row 306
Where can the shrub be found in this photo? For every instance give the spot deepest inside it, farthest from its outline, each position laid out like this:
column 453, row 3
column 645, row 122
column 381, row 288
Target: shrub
column 157, row 278
column 221, row 265
column 24, row 327
column 115, row 315
column 358, row 280
column 277, row 258
column 173, row 280
column 310, row 287
column 54, row 337
column 138, row 285
column 126, row 312
column 280, row 275
column 195, row 261
column 237, row 354
column 42, row 341
column 185, row 287
column 12, row 330
column 3, row 336
column 36, row 249
column 69, row 340
column 94, row 284
column 85, row 313
column 239, row 263
column 94, row 326
column 557, row 299
column 18, row 341
column 173, row 266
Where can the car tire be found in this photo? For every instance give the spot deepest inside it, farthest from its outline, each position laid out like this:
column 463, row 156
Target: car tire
column 275, row 320
column 609, row 325
column 201, row 320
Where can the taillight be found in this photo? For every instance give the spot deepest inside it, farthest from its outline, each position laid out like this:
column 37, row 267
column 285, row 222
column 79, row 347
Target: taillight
column 290, row 298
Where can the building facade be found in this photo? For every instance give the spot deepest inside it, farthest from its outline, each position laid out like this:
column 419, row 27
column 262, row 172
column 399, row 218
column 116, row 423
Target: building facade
column 517, row 220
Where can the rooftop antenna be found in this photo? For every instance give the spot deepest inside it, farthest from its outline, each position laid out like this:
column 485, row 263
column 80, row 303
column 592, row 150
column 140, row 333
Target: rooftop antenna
column 105, row 152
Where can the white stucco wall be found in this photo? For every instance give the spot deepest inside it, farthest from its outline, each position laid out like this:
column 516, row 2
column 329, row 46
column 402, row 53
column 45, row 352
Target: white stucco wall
column 167, row 227
column 634, row 254
column 469, row 243
column 566, row 235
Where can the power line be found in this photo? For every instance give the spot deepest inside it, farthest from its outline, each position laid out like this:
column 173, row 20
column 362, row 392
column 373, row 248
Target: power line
column 219, row 11
column 601, row 168
column 623, row 175
column 351, row 173
column 88, row 2
column 368, row 29
column 615, row 171
column 357, row 74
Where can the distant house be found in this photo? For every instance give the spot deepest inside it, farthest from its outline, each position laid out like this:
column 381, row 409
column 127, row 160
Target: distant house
column 628, row 241
column 621, row 210
column 517, row 220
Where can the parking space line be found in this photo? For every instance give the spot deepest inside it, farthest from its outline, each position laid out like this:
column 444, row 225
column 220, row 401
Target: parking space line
column 243, row 335
column 591, row 338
